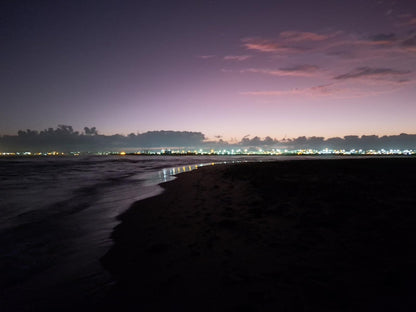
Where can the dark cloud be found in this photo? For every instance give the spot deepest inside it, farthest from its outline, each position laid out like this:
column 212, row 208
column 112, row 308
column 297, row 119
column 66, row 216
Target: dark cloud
column 65, row 139
column 365, row 72
column 168, row 139
column 257, row 142
column 384, row 37
column 301, row 68
column 410, row 42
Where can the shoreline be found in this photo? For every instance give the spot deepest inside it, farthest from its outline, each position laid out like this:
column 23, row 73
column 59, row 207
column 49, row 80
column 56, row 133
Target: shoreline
column 294, row 235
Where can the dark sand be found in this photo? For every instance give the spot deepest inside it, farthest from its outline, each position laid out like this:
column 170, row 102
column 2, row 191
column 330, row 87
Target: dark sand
column 314, row 235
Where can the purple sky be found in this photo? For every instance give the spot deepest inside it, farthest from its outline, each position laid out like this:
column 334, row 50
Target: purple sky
column 225, row 68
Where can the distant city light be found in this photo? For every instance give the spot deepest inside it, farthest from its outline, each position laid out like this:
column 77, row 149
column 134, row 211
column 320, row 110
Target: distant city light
column 224, row 152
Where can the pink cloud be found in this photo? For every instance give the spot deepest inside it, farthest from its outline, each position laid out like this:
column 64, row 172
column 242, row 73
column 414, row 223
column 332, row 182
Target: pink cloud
column 237, row 57
column 385, row 46
column 357, row 66
column 410, row 22
column 264, row 45
column 292, row 43
column 411, row 49
column 272, row 92
column 336, row 90
column 406, row 20
column 321, row 90
column 409, row 44
column 206, row 57
column 297, row 36
column 261, row 45
column 303, row 70
column 288, row 42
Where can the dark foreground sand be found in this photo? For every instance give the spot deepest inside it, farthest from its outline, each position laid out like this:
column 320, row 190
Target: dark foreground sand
column 314, row 235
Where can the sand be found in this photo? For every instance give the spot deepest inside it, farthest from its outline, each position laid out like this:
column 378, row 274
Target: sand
column 304, row 235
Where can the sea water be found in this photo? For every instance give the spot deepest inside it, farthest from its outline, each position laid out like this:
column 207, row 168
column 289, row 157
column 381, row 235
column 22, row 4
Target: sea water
column 57, row 215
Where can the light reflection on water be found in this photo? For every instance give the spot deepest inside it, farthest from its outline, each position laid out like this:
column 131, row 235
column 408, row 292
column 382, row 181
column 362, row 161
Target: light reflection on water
column 168, row 174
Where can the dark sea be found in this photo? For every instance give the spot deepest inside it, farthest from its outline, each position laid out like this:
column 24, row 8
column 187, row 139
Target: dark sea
column 56, row 219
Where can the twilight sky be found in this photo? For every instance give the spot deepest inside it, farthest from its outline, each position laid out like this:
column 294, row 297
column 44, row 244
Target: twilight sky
column 281, row 68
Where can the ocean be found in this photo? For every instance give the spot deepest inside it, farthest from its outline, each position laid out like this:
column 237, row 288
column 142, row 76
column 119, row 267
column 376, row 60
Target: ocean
column 56, row 219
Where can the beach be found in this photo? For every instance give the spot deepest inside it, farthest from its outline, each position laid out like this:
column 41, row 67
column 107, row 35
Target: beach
column 301, row 235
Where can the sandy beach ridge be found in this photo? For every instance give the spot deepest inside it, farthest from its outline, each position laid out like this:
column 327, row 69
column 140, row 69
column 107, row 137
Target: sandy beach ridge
column 303, row 235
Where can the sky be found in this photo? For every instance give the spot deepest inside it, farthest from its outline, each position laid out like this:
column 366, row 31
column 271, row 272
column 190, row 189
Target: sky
column 229, row 69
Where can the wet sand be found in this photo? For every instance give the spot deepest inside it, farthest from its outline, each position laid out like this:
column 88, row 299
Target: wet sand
column 303, row 235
